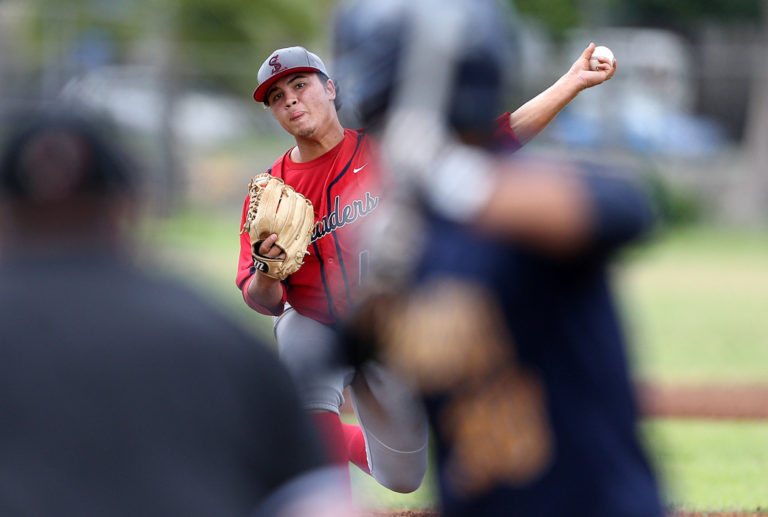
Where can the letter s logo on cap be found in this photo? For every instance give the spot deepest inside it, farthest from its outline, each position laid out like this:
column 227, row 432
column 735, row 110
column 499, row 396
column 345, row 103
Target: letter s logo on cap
column 275, row 64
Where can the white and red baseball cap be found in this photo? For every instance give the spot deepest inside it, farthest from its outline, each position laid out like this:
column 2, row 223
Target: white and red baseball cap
column 282, row 62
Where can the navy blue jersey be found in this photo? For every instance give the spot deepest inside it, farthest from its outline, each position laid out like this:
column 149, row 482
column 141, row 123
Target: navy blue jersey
column 566, row 334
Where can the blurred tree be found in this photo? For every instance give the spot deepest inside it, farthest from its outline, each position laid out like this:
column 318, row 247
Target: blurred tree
column 226, row 40
column 558, row 16
column 215, row 41
column 66, row 21
column 748, row 200
column 756, row 133
column 682, row 13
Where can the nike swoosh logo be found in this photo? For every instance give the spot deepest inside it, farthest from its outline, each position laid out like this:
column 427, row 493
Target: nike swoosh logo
column 355, row 171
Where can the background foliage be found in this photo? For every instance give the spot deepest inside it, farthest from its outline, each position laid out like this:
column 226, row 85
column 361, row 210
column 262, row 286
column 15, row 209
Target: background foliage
column 201, row 26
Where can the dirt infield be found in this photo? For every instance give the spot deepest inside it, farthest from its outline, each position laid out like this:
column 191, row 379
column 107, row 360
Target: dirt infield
column 747, row 401
column 716, row 514
column 433, row 513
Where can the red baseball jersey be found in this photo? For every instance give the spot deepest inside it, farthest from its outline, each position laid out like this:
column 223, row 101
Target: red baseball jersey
column 343, row 186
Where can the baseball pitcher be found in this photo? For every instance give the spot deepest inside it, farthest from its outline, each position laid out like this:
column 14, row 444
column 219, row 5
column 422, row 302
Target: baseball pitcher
column 335, row 171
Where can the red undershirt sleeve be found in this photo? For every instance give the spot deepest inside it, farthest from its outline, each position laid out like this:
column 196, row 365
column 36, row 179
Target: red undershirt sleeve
column 504, row 135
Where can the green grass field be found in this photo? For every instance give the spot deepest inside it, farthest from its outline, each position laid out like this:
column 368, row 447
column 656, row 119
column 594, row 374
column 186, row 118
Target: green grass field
column 201, row 248
column 695, row 302
column 711, row 465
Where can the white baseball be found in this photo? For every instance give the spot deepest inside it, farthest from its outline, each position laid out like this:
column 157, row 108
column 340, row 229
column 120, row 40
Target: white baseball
column 601, row 51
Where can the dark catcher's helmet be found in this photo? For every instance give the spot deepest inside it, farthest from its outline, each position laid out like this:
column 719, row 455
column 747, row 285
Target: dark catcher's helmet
column 452, row 56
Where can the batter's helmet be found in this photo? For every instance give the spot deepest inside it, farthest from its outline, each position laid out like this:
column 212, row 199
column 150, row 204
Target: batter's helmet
column 454, row 54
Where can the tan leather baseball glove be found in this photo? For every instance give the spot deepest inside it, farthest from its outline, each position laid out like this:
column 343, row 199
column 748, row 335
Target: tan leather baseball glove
column 275, row 207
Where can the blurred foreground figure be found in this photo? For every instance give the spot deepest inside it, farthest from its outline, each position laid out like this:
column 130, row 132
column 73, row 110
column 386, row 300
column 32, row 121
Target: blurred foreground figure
column 490, row 290
column 123, row 394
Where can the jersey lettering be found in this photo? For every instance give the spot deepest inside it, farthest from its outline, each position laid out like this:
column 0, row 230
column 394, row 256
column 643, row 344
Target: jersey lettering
column 342, row 216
